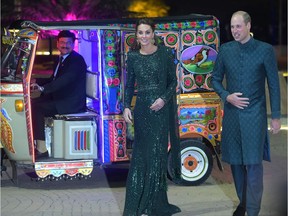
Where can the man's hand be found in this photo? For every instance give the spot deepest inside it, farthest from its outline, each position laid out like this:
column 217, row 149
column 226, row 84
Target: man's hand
column 35, row 90
column 275, row 126
column 35, row 87
column 236, row 100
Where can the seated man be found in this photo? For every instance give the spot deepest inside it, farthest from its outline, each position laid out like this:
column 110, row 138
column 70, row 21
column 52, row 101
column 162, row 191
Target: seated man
column 63, row 93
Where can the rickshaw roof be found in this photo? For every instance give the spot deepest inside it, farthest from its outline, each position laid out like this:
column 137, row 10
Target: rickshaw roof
column 121, row 23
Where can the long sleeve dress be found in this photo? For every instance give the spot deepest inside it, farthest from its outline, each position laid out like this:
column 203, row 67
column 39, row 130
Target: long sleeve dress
column 146, row 187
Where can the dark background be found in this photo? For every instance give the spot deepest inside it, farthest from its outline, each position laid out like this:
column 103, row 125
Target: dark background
column 269, row 17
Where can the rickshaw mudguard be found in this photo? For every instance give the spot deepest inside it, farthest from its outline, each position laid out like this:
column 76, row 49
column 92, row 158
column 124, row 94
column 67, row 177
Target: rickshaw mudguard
column 194, row 130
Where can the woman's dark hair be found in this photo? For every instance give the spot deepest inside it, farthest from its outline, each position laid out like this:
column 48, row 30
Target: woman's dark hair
column 135, row 45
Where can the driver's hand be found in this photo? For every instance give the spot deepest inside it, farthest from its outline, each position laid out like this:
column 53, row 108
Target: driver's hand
column 34, row 87
column 35, row 90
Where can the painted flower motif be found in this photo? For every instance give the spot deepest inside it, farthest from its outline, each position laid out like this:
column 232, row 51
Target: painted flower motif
column 192, row 128
column 210, row 22
column 116, row 81
column 188, row 37
column 193, row 24
column 173, row 25
column 199, row 39
column 210, row 137
column 166, row 26
column 210, row 36
column 111, row 72
column 159, row 26
column 111, row 63
column 120, row 139
column 131, row 40
column 208, row 112
column 179, row 25
column 171, row 39
column 187, row 82
column 119, row 125
column 199, row 79
column 184, row 130
column 110, row 47
column 109, row 81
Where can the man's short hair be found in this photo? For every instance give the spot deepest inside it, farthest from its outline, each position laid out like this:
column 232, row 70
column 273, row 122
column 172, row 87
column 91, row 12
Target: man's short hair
column 66, row 33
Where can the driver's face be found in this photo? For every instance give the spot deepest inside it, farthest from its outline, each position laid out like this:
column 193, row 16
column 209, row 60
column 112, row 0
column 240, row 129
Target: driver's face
column 65, row 45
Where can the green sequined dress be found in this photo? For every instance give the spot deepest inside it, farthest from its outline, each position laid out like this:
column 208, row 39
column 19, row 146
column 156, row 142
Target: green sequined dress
column 146, row 187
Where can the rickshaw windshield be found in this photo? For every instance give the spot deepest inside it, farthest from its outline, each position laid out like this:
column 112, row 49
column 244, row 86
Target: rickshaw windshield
column 15, row 61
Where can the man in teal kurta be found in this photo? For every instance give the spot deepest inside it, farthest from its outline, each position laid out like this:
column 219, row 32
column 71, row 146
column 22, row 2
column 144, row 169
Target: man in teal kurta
column 246, row 63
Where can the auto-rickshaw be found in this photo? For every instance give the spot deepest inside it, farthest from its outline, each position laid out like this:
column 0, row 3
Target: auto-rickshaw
column 100, row 136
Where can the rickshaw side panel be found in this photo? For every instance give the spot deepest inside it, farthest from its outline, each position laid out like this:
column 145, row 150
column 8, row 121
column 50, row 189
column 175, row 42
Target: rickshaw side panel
column 13, row 129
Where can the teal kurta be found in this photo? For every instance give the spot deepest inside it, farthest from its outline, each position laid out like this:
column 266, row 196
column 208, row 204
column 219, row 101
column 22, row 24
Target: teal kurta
column 246, row 68
column 146, row 187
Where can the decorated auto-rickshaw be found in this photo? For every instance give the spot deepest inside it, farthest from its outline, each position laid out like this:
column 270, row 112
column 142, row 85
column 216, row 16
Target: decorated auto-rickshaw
column 100, row 136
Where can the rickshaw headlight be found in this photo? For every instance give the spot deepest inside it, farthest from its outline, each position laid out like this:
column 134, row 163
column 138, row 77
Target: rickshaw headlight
column 19, row 105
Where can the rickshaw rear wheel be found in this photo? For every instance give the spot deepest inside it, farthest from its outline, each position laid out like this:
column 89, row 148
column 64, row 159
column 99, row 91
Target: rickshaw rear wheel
column 196, row 163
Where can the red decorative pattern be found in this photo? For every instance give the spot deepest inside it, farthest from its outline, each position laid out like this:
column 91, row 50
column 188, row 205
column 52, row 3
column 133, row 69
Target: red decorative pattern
column 117, row 140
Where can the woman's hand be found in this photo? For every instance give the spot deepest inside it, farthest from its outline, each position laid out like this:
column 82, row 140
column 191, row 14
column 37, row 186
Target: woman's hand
column 127, row 115
column 157, row 105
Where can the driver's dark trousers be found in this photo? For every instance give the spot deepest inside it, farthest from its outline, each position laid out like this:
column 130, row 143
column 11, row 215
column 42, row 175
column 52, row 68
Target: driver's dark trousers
column 248, row 181
column 41, row 107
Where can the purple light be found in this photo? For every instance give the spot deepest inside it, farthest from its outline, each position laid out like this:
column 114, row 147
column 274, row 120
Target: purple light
column 70, row 16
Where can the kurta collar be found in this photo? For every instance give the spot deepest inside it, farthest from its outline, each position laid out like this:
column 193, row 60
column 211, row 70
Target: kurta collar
column 248, row 45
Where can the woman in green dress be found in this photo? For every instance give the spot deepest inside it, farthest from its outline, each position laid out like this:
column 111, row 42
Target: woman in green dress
column 151, row 66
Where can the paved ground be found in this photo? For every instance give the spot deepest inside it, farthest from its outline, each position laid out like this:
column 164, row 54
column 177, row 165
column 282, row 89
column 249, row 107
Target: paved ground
column 103, row 194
